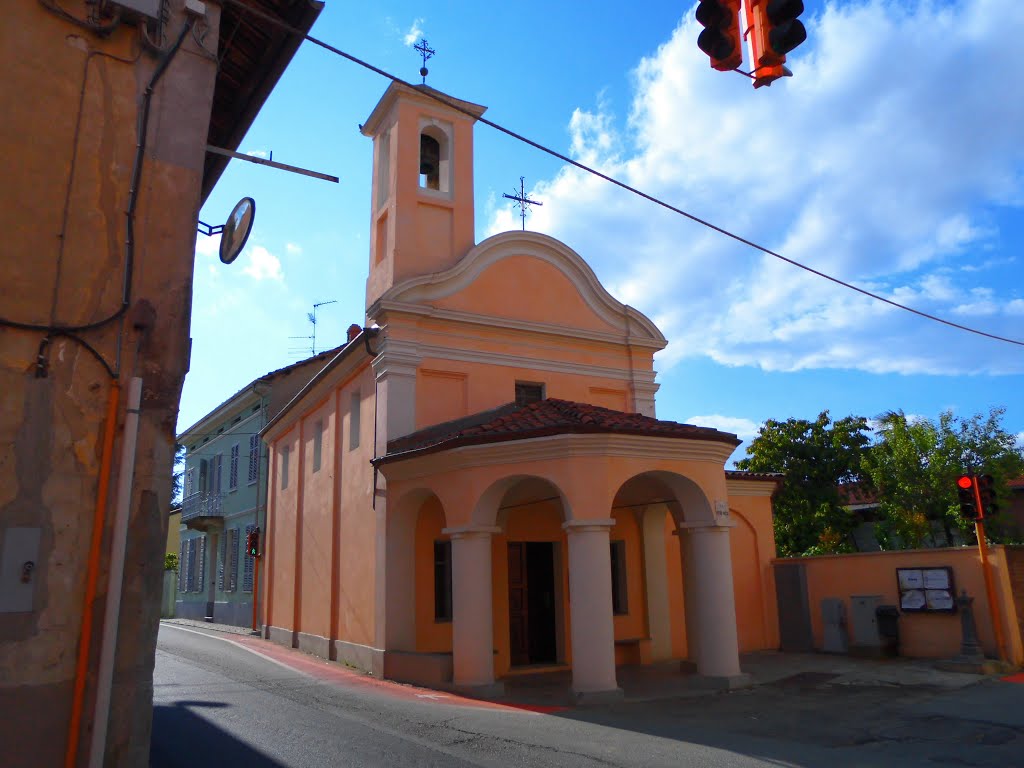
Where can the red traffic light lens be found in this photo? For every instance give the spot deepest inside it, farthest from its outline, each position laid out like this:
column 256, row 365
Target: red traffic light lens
column 965, row 482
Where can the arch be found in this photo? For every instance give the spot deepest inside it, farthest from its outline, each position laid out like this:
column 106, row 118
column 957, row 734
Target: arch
column 531, row 488
column 435, row 157
column 429, row 288
column 400, row 607
column 685, row 499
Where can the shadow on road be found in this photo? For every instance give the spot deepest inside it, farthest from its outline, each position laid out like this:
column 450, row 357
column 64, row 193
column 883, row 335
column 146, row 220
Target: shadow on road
column 183, row 738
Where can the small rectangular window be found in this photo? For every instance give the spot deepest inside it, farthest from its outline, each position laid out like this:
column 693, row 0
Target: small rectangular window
column 528, row 392
column 318, row 444
column 620, row 605
column 353, row 422
column 233, row 469
column 284, row 467
column 442, row 581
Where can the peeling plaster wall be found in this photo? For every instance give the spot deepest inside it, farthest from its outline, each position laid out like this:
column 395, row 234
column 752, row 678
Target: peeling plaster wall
column 68, row 136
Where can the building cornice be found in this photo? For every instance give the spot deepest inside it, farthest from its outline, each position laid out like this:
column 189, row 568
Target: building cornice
column 556, row 448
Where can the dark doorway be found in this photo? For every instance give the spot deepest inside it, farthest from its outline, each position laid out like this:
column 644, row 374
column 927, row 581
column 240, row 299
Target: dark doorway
column 531, row 602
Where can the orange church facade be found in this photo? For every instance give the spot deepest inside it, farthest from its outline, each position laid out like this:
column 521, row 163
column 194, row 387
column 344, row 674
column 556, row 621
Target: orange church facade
column 477, row 484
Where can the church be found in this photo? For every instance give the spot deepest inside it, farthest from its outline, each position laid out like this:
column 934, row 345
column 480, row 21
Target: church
column 476, row 485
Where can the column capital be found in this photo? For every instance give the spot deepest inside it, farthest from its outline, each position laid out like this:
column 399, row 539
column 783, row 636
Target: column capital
column 471, row 531
column 581, row 526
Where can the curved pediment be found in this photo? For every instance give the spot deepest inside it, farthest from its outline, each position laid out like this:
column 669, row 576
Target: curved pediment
column 525, row 277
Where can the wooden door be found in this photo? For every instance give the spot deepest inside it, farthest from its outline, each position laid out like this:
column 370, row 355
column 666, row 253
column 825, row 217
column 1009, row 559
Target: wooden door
column 518, row 605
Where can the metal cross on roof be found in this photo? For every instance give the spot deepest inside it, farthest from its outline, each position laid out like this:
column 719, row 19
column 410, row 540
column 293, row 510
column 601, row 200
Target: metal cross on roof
column 522, row 202
column 426, row 52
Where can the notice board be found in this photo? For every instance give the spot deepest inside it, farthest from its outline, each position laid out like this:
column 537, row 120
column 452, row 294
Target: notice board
column 926, row 590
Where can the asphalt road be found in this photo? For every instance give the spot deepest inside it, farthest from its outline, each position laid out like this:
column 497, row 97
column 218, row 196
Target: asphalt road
column 219, row 704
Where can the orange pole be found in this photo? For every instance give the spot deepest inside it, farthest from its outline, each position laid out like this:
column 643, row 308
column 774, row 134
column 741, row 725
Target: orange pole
column 990, row 589
column 92, row 576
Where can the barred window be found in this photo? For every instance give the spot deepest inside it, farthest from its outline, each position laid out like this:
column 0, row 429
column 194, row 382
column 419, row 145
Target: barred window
column 190, row 567
column 233, row 470
column 284, row 467
column 221, row 561
column 254, row 457
column 318, row 444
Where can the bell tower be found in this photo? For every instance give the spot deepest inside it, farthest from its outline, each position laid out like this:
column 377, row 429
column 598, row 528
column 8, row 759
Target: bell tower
column 421, row 217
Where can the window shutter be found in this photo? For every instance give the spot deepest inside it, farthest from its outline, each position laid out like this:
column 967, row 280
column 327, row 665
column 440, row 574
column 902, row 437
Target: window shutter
column 201, row 586
column 233, row 470
column 181, row 566
column 221, row 561
column 233, row 563
column 248, row 563
column 218, row 467
column 254, row 457
column 190, row 578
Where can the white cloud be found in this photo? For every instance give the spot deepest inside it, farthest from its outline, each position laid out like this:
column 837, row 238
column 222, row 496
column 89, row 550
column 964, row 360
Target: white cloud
column 257, row 153
column 742, row 428
column 859, row 166
column 293, row 249
column 207, row 246
column 415, row 33
column 263, row 265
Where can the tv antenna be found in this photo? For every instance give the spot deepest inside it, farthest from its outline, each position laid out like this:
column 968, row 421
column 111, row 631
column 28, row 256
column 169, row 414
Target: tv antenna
column 311, row 316
column 522, row 202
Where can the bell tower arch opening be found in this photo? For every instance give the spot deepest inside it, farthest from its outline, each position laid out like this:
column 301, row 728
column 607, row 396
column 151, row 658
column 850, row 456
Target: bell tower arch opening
column 422, row 218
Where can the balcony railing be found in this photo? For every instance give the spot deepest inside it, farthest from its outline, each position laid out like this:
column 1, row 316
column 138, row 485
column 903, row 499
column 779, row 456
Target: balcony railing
column 202, row 505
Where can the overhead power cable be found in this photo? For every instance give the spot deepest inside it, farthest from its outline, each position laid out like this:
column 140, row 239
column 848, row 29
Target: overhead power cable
column 612, row 180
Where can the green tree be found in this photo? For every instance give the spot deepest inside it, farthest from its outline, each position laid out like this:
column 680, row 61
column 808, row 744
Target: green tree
column 915, row 462
column 814, row 457
column 178, row 474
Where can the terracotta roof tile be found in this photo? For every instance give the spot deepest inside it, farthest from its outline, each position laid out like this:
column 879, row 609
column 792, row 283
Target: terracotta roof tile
column 540, row 419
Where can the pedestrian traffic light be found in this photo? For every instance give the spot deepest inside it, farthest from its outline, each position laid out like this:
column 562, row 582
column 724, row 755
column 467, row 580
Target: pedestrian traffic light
column 987, row 492
column 777, row 30
column 721, row 39
column 252, row 542
column 965, row 493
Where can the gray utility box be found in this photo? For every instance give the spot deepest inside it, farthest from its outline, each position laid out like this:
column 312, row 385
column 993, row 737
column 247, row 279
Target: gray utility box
column 866, row 639
column 833, row 619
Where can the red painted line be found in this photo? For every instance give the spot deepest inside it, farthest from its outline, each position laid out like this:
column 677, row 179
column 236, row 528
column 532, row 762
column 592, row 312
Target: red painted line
column 1018, row 678
column 335, row 673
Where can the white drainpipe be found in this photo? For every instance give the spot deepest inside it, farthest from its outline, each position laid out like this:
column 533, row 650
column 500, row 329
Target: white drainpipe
column 119, row 538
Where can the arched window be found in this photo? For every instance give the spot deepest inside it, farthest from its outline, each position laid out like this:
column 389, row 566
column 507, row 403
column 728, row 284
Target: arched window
column 435, row 157
column 430, row 162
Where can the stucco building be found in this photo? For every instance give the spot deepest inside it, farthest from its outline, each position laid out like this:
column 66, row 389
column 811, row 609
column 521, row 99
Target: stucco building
column 108, row 108
column 477, row 484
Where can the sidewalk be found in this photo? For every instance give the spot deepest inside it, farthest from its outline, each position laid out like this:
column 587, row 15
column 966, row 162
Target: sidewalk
column 788, row 671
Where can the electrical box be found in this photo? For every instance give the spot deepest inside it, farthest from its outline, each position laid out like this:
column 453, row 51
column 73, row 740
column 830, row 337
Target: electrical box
column 833, row 620
column 19, row 560
column 866, row 639
column 148, row 8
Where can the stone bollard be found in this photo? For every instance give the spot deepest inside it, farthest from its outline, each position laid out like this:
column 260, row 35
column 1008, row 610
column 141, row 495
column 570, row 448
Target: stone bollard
column 970, row 648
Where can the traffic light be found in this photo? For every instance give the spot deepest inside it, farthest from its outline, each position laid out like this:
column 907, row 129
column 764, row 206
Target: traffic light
column 721, row 39
column 252, row 542
column 777, row 30
column 965, row 493
column 987, row 491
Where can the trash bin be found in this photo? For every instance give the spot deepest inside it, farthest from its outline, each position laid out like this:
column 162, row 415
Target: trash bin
column 888, row 617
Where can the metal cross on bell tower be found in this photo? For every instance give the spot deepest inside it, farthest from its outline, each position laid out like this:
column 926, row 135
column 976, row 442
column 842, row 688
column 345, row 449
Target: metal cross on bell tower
column 426, row 52
column 522, row 202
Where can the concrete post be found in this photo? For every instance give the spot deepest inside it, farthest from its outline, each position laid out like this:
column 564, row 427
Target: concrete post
column 710, row 604
column 590, row 603
column 472, row 612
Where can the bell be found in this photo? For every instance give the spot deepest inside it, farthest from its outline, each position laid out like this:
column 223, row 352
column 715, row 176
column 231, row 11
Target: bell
column 430, row 155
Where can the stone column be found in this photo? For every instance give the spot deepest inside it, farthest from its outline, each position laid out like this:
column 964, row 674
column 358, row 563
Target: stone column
column 472, row 612
column 590, row 602
column 710, row 603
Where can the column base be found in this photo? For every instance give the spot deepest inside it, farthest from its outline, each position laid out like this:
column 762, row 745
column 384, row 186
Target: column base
column 722, row 682
column 480, row 690
column 596, row 698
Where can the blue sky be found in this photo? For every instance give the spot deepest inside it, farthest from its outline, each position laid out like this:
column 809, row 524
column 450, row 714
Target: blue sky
column 892, row 159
